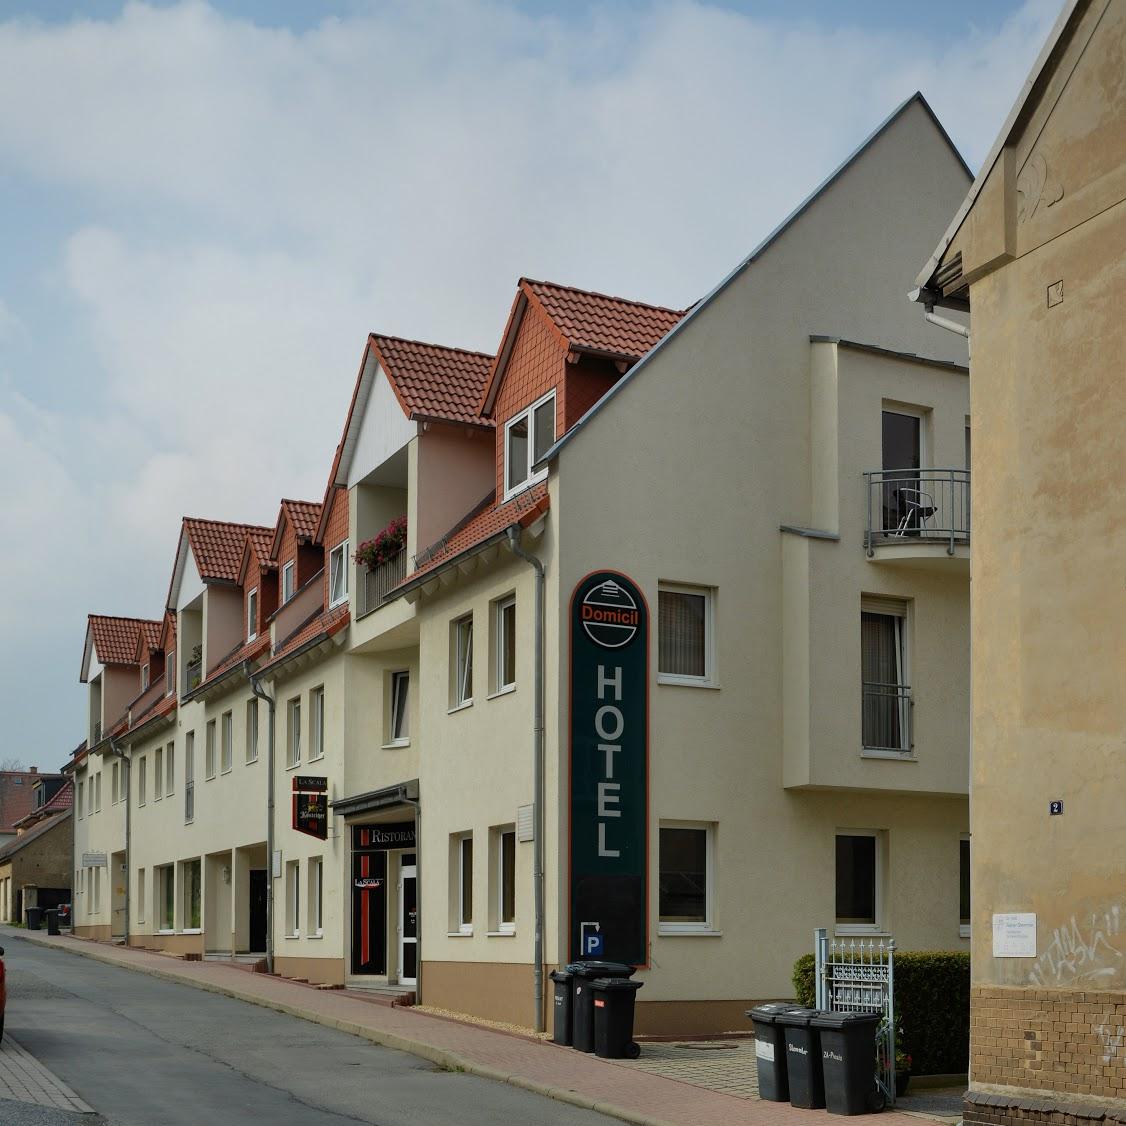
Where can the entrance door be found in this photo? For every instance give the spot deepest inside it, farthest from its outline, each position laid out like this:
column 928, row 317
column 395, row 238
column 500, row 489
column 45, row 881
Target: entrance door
column 408, row 920
column 903, row 458
column 369, row 913
column 257, row 937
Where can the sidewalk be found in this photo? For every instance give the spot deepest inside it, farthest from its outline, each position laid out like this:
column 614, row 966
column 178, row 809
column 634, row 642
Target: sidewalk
column 622, row 1091
column 25, row 1080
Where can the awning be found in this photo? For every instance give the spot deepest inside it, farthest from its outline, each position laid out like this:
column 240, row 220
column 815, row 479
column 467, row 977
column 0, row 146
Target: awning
column 374, row 800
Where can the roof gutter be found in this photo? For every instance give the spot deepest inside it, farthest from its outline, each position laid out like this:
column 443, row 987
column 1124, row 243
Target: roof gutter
column 413, row 584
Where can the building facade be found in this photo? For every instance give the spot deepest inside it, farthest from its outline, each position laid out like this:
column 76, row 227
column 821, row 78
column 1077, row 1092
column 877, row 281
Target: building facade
column 1038, row 253
column 777, row 478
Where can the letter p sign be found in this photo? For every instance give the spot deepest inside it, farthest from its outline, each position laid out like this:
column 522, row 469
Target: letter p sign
column 592, row 944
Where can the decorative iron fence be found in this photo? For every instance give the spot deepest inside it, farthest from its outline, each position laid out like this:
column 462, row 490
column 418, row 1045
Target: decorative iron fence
column 378, row 582
column 928, row 505
column 857, row 976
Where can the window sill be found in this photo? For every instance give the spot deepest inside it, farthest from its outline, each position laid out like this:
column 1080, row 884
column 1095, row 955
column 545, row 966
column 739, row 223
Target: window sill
column 210, row 778
column 290, row 936
column 687, row 932
column 860, row 932
column 459, row 934
column 314, row 937
column 395, row 745
column 687, row 681
column 227, row 771
column 524, row 485
column 293, row 765
column 500, row 934
column 506, row 691
column 192, row 930
column 888, row 755
column 342, row 601
column 251, row 761
column 316, row 758
column 460, row 707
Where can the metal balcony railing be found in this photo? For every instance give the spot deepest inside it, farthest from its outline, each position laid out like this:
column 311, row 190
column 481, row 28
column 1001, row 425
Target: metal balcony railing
column 193, row 673
column 917, row 505
column 887, row 717
column 376, row 584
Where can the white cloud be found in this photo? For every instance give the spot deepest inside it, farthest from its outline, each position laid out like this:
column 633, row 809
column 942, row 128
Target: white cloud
column 245, row 204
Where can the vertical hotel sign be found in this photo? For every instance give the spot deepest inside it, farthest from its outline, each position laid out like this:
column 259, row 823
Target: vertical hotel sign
column 609, row 769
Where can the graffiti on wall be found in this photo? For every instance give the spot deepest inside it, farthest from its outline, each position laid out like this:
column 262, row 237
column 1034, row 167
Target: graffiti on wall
column 1111, row 1038
column 1082, row 950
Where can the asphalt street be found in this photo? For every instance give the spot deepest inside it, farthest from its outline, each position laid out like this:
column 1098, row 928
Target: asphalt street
column 146, row 1052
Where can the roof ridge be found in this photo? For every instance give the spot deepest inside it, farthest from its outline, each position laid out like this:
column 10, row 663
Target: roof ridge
column 431, row 344
column 127, row 618
column 605, row 296
column 310, row 503
column 229, row 523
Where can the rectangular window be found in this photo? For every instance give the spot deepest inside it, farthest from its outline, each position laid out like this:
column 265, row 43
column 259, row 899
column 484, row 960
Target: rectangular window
column 98, row 792
column 252, row 615
column 170, row 673
column 964, row 887
column 189, row 776
column 316, row 893
column 465, row 884
column 316, row 723
column 145, row 677
column 140, row 895
column 287, row 581
column 504, row 633
column 209, row 751
column 252, row 729
column 170, row 769
column 166, row 894
column 97, row 889
column 141, row 764
column 293, row 898
column 527, row 437
column 158, row 774
column 81, row 807
column 886, row 689
column 461, row 662
column 504, row 880
column 192, row 896
column 399, row 732
column 685, row 627
column 338, row 574
column 226, row 749
column 114, row 795
column 859, row 875
column 685, row 880
column 293, row 744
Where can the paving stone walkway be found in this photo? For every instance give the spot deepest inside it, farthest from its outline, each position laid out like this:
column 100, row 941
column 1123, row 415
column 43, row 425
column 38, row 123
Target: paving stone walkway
column 24, row 1079
column 717, row 1065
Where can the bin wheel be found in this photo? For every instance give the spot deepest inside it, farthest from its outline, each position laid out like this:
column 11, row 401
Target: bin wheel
column 877, row 1100
column 633, row 1050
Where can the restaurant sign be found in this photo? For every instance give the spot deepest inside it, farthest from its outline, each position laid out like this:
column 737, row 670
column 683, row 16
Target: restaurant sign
column 310, row 806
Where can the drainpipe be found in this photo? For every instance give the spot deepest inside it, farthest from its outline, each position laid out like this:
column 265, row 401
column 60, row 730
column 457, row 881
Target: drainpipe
column 119, row 753
column 537, row 775
column 946, row 323
column 256, row 688
column 417, row 806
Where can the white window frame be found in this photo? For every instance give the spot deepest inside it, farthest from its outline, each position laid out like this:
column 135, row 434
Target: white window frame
column 503, row 927
column 293, row 899
column 316, row 723
column 707, row 925
column 340, row 596
column 210, row 738
column 902, row 609
column 227, row 742
column 500, row 651
column 170, row 673
column 529, row 413
column 964, row 928
column 165, row 873
column 461, row 679
column 250, row 753
column 288, row 581
column 145, row 677
column 170, row 770
column 846, row 929
column 115, row 784
column 464, row 922
column 98, row 792
column 81, row 794
column 158, row 773
column 315, row 866
column 140, row 895
column 141, row 771
column 708, row 593
column 252, row 614
column 399, row 737
column 293, row 733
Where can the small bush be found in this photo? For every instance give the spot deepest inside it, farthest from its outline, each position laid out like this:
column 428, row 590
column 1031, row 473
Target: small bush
column 932, row 1002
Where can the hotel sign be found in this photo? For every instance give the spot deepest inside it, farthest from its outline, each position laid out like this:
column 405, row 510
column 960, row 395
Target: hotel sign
column 609, row 769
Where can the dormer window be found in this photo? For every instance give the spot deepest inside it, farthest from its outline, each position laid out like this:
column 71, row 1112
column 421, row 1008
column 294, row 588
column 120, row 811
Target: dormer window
column 252, row 615
column 145, row 677
column 527, row 437
column 170, row 672
column 338, row 574
column 287, row 581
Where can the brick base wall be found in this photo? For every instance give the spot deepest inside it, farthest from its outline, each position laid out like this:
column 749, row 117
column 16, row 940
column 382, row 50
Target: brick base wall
column 1070, row 1043
column 1000, row 1110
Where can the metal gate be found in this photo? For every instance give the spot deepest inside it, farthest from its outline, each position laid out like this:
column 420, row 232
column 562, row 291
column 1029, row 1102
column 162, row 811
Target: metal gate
column 855, row 976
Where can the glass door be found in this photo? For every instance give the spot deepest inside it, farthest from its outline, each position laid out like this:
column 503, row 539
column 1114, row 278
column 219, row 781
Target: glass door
column 408, row 920
column 902, row 460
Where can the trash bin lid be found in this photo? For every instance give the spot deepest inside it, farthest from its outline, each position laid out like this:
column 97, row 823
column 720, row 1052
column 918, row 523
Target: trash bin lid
column 844, row 1020
column 767, row 1014
column 560, row 975
column 601, row 969
column 610, row 984
column 797, row 1017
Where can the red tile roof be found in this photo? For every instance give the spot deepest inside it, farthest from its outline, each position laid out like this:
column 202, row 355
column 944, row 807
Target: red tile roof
column 217, row 546
column 115, row 639
column 62, row 800
column 432, row 381
column 600, row 323
column 482, row 524
column 303, row 517
column 327, row 623
column 247, row 651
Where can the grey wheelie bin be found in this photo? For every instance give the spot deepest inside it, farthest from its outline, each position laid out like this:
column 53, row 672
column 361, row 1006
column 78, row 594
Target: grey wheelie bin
column 803, row 1058
column 613, row 999
column 582, row 999
column 33, row 916
column 561, row 1008
column 848, row 1056
column 770, row 1051
column 52, row 917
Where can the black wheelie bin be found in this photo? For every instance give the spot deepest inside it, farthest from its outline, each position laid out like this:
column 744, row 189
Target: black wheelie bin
column 803, row 1058
column 613, row 999
column 561, row 1023
column 770, row 1051
column 848, row 1056
column 582, row 999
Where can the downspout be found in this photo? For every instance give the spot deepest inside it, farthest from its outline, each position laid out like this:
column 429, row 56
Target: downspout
column 946, row 323
column 256, row 688
column 417, row 806
column 116, row 750
column 537, row 776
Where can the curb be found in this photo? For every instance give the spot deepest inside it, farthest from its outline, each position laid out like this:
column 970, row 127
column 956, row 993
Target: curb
column 441, row 1057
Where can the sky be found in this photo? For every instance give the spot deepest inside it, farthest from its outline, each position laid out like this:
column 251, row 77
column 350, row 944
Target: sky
column 205, row 208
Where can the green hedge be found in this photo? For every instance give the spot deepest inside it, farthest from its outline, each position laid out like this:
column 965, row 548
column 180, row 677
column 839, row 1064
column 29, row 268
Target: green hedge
column 932, row 1001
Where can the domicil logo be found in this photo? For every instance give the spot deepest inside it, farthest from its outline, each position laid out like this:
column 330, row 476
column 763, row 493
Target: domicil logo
column 609, row 615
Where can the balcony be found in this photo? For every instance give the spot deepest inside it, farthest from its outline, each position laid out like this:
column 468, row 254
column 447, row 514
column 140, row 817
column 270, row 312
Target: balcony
column 193, row 673
column 376, row 584
column 886, row 711
column 918, row 517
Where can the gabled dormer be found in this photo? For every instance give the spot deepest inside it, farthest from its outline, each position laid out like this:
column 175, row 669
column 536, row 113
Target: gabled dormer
column 259, row 581
column 111, row 668
column 562, row 350
column 293, row 550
